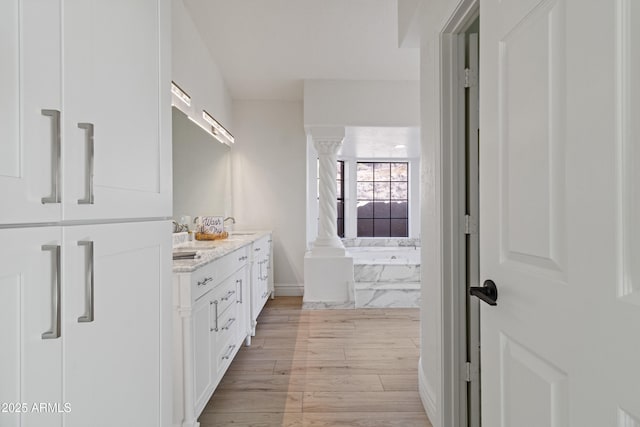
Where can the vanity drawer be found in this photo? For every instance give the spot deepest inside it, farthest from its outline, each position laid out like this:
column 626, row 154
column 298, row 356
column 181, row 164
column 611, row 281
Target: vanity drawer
column 203, row 280
column 226, row 336
column 231, row 263
column 226, row 295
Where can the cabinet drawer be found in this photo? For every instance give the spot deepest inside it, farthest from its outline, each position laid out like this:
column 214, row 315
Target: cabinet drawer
column 226, row 294
column 231, row 263
column 203, row 280
column 227, row 333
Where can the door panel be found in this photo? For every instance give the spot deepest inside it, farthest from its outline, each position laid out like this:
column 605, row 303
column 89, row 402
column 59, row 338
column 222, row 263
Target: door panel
column 559, row 207
column 118, row 89
column 30, row 366
column 30, row 81
column 531, row 117
column 115, row 358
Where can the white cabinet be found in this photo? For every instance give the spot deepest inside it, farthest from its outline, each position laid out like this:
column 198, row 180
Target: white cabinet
column 261, row 280
column 103, row 152
column 82, row 324
column 30, row 355
column 30, row 84
column 211, row 308
column 117, row 101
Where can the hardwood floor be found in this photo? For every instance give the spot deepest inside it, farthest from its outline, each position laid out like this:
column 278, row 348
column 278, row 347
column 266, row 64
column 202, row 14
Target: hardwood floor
column 323, row 368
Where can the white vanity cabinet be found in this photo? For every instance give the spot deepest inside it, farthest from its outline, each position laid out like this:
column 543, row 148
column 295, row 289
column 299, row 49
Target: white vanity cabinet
column 261, row 277
column 76, row 329
column 84, row 112
column 210, row 324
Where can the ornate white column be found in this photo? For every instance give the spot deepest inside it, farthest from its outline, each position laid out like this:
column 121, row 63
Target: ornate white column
column 327, row 242
column 328, row 269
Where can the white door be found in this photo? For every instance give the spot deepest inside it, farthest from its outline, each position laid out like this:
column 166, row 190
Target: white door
column 30, row 104
column 117, row 109
column 560, row 202
column 31, row 346
column 115, row 299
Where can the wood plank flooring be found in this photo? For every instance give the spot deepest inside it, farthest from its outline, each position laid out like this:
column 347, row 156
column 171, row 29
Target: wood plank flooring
column 323, row 368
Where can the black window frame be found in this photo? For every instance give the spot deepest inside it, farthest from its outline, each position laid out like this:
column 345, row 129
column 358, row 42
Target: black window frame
column 387, row 216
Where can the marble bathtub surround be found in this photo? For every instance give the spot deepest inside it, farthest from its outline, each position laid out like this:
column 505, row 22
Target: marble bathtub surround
column 383, row 242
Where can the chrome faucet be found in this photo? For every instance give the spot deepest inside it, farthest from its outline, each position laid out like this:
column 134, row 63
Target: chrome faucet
column 233, row 220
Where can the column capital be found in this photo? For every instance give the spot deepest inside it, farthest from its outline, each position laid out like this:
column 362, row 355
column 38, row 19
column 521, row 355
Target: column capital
column 327, row 146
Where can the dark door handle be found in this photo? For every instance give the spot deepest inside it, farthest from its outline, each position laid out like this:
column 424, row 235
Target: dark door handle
column 488, row 292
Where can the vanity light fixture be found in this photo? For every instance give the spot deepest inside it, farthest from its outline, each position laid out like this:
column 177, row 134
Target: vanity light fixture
column 218, row 131
column 181, row 94
column 203, row 127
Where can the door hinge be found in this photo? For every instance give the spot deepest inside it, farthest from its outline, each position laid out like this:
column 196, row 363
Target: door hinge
column 470, row 226
column 470, row 78
column 467, row 372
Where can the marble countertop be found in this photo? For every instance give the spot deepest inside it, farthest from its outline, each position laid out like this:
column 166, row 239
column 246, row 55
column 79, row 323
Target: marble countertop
column 210, row 250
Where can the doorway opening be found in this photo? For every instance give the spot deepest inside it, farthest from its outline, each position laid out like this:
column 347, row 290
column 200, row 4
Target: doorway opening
column 461, row 314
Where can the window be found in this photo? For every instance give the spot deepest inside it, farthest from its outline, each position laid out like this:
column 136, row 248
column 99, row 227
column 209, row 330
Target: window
column 339, row 195
column 383, row 199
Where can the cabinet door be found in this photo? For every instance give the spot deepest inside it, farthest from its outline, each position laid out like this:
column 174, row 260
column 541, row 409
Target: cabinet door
column 117, row 317
column 202, row 349
column 31, row 350
column 30, row 85
column 117, row 109
column 242, row 300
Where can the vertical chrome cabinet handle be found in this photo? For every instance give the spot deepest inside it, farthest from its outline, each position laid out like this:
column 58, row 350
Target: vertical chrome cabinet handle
column 239, row 300
column 215, row 303
column 54, row 332
column 56, row 153
column 88, row 293
column 88, row 135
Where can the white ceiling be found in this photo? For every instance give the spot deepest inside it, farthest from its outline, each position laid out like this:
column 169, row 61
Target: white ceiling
column 266, row 48
column 381, row 142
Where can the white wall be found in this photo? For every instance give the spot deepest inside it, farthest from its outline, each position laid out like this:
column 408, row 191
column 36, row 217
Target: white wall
column 361, row 103
column 195, row 70
column 268, row 182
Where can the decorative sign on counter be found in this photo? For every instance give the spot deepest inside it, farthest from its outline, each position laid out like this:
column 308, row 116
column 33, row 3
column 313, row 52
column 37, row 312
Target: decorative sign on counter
column 209, row 224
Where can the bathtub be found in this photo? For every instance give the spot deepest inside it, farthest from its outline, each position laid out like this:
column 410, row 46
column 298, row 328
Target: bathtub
column 386, row 276
column 385, row 255
column 380, row 264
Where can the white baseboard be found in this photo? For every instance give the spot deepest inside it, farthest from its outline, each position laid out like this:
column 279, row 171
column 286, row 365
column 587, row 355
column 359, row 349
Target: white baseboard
column 427, row 396
column 288, row 290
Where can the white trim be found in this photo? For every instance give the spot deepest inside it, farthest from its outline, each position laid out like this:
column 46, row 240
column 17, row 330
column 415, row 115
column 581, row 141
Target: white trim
column 452, row 406
column 427, row 396
column 289, row 289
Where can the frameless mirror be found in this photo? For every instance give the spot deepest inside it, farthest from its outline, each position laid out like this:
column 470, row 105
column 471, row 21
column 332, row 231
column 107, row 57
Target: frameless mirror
column 201, row 171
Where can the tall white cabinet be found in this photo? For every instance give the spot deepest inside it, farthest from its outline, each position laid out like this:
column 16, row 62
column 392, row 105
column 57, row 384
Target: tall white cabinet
column 85, row 180
column 85, row 121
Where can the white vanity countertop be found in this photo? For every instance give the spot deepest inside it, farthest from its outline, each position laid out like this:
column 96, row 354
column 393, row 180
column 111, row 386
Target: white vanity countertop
column 210, row 250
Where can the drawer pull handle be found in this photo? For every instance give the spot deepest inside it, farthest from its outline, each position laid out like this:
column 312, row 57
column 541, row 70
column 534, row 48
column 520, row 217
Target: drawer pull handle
column 205, row 281
column 54, row 332
column 257, row 249
column 229, row 351
column 215, row 303
column 239, row 282
column 229, row 323
column 227, row 296
column 265, row 294
column 88, row 129
column 89, row 281
column 56, row 154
